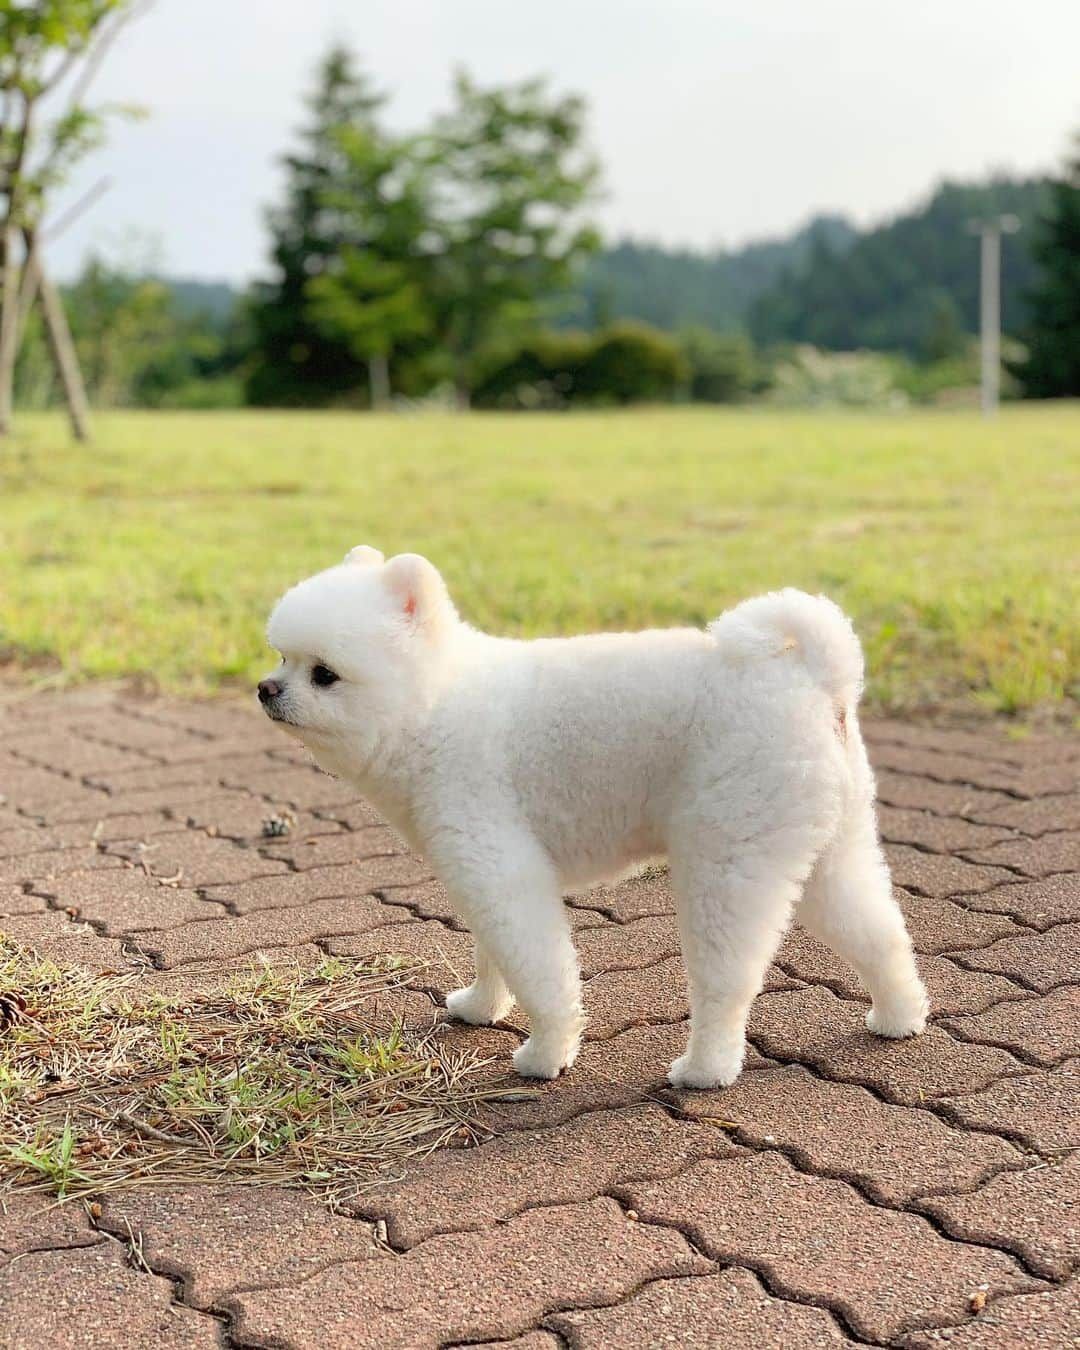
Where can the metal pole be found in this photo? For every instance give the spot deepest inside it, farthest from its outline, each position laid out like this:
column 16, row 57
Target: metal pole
column 990, row 316
column 990, row 232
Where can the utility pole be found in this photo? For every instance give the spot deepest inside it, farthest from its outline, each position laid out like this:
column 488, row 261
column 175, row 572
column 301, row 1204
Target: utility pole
column 990, row 232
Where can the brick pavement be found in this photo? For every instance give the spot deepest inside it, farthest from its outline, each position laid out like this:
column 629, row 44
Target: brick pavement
column 844, row 1190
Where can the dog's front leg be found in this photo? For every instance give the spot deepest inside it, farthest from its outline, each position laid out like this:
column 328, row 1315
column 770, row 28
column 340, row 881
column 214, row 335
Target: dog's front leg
column 487, row 999
column 509, row 896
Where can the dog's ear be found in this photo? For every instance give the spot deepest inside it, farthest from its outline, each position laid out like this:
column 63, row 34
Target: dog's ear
column 417, row 589
column 363, row 555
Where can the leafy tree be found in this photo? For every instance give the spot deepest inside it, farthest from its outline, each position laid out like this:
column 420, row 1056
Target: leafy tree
column 45, row 46
column 1052, row 367
column 370, row 296
column 509, row 181
column 139, row 344
column 302, row 359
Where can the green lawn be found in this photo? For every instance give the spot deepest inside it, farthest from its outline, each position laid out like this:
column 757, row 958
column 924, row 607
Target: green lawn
column 952, row 542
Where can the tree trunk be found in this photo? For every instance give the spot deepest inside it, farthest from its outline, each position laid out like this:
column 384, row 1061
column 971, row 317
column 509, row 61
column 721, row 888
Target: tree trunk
column 379, row 382
column 9, row 329
column 63, row 350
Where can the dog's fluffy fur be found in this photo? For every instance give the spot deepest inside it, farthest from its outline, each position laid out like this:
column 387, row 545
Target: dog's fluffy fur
column 527, row 770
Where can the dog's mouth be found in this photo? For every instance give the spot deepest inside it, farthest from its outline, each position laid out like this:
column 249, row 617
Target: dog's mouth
column 275, row 715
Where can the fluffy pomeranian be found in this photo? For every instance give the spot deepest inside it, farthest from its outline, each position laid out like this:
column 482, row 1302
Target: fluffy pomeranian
column 524, row 771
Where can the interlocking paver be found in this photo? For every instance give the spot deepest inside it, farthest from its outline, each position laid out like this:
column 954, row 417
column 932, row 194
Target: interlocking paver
column 195, row 859
column 427, row 900
column 634, row 899
column 1058, row 851
column 59, row 938
column 340, row 849
column 1040, row 904
column 1033, row 817
column 81, row 834
column 984, row 743
column 612, row 946
column 818, row 1240
column 15, row 900
column 617, row 999
column 841, row 1130
column 443, row 956
column 78, row 756
column 908, row 791
column 90, row 1296
column 357, row 815
column 305, row 789
column 704, row 1313
column 939, row 834
column 1035, row 1212
column 55, row 862
column 31, row 1222
column 1031, row 779
column 1040, row 1109
column 161, row 806
column 474, row 1188
column 289, row 889
column 1042, row 1030
column 127, row 902
column 952, row 989
column 941, row 875
column 222, row 939
column 938, row 925
column 219, row 1239
column 471, row 1286
column 627, row 1069
column 813, row 1026
column 1028, row 1322
column 1038, row 960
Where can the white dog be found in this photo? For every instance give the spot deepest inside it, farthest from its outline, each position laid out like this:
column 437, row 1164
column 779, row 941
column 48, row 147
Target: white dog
column 526, row 770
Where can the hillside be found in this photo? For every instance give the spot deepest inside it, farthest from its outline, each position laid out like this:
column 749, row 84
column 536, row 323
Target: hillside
column 674, row 287
column 909, row 285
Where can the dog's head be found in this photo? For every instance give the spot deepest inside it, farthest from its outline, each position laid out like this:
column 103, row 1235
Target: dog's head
column 358, row 645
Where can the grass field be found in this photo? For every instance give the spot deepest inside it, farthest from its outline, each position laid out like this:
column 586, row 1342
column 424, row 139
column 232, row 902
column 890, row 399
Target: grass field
column 158, row 551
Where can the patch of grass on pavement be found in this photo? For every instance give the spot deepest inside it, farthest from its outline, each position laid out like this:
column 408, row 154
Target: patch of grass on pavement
column 284, row 1076
column 951, row 540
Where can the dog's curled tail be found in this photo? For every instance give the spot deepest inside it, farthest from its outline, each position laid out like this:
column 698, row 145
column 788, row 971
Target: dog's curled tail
column 790, row 623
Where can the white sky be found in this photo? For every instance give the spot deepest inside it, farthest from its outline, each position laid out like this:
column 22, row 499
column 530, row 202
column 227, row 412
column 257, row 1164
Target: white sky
column 716, row 121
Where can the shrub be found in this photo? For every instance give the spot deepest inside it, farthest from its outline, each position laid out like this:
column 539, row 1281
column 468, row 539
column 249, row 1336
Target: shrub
column 631, row 363
column 626, row 363
column 723, row 366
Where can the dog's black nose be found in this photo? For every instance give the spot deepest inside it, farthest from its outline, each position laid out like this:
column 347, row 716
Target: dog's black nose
column 268, row 689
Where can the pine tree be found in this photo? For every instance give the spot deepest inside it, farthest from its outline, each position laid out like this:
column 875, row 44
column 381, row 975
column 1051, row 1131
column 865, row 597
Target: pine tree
column 1052, row 367
column 300, row 361
column 372, row 295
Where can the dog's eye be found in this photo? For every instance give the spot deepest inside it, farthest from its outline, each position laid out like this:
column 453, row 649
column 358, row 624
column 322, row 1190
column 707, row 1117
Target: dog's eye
column 323, row 676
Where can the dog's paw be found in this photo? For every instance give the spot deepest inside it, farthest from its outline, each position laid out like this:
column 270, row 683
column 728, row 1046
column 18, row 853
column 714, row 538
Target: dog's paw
column 897, row 1024
column 718, row 1071
column 475, row 1006
column 536, row 1060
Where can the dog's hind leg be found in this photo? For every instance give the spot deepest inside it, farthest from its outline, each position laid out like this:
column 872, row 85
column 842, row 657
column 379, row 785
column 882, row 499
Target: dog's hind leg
column 487, row 998
column 848, row 903
column 731, row 919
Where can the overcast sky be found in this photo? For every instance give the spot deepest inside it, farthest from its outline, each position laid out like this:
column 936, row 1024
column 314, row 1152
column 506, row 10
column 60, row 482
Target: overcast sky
column 716, row 121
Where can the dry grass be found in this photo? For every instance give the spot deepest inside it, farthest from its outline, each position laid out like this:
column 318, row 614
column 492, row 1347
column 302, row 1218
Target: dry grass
column 292, row 1076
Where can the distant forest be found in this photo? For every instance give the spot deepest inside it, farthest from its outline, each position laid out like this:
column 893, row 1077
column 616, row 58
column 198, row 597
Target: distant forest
column 908, row 285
